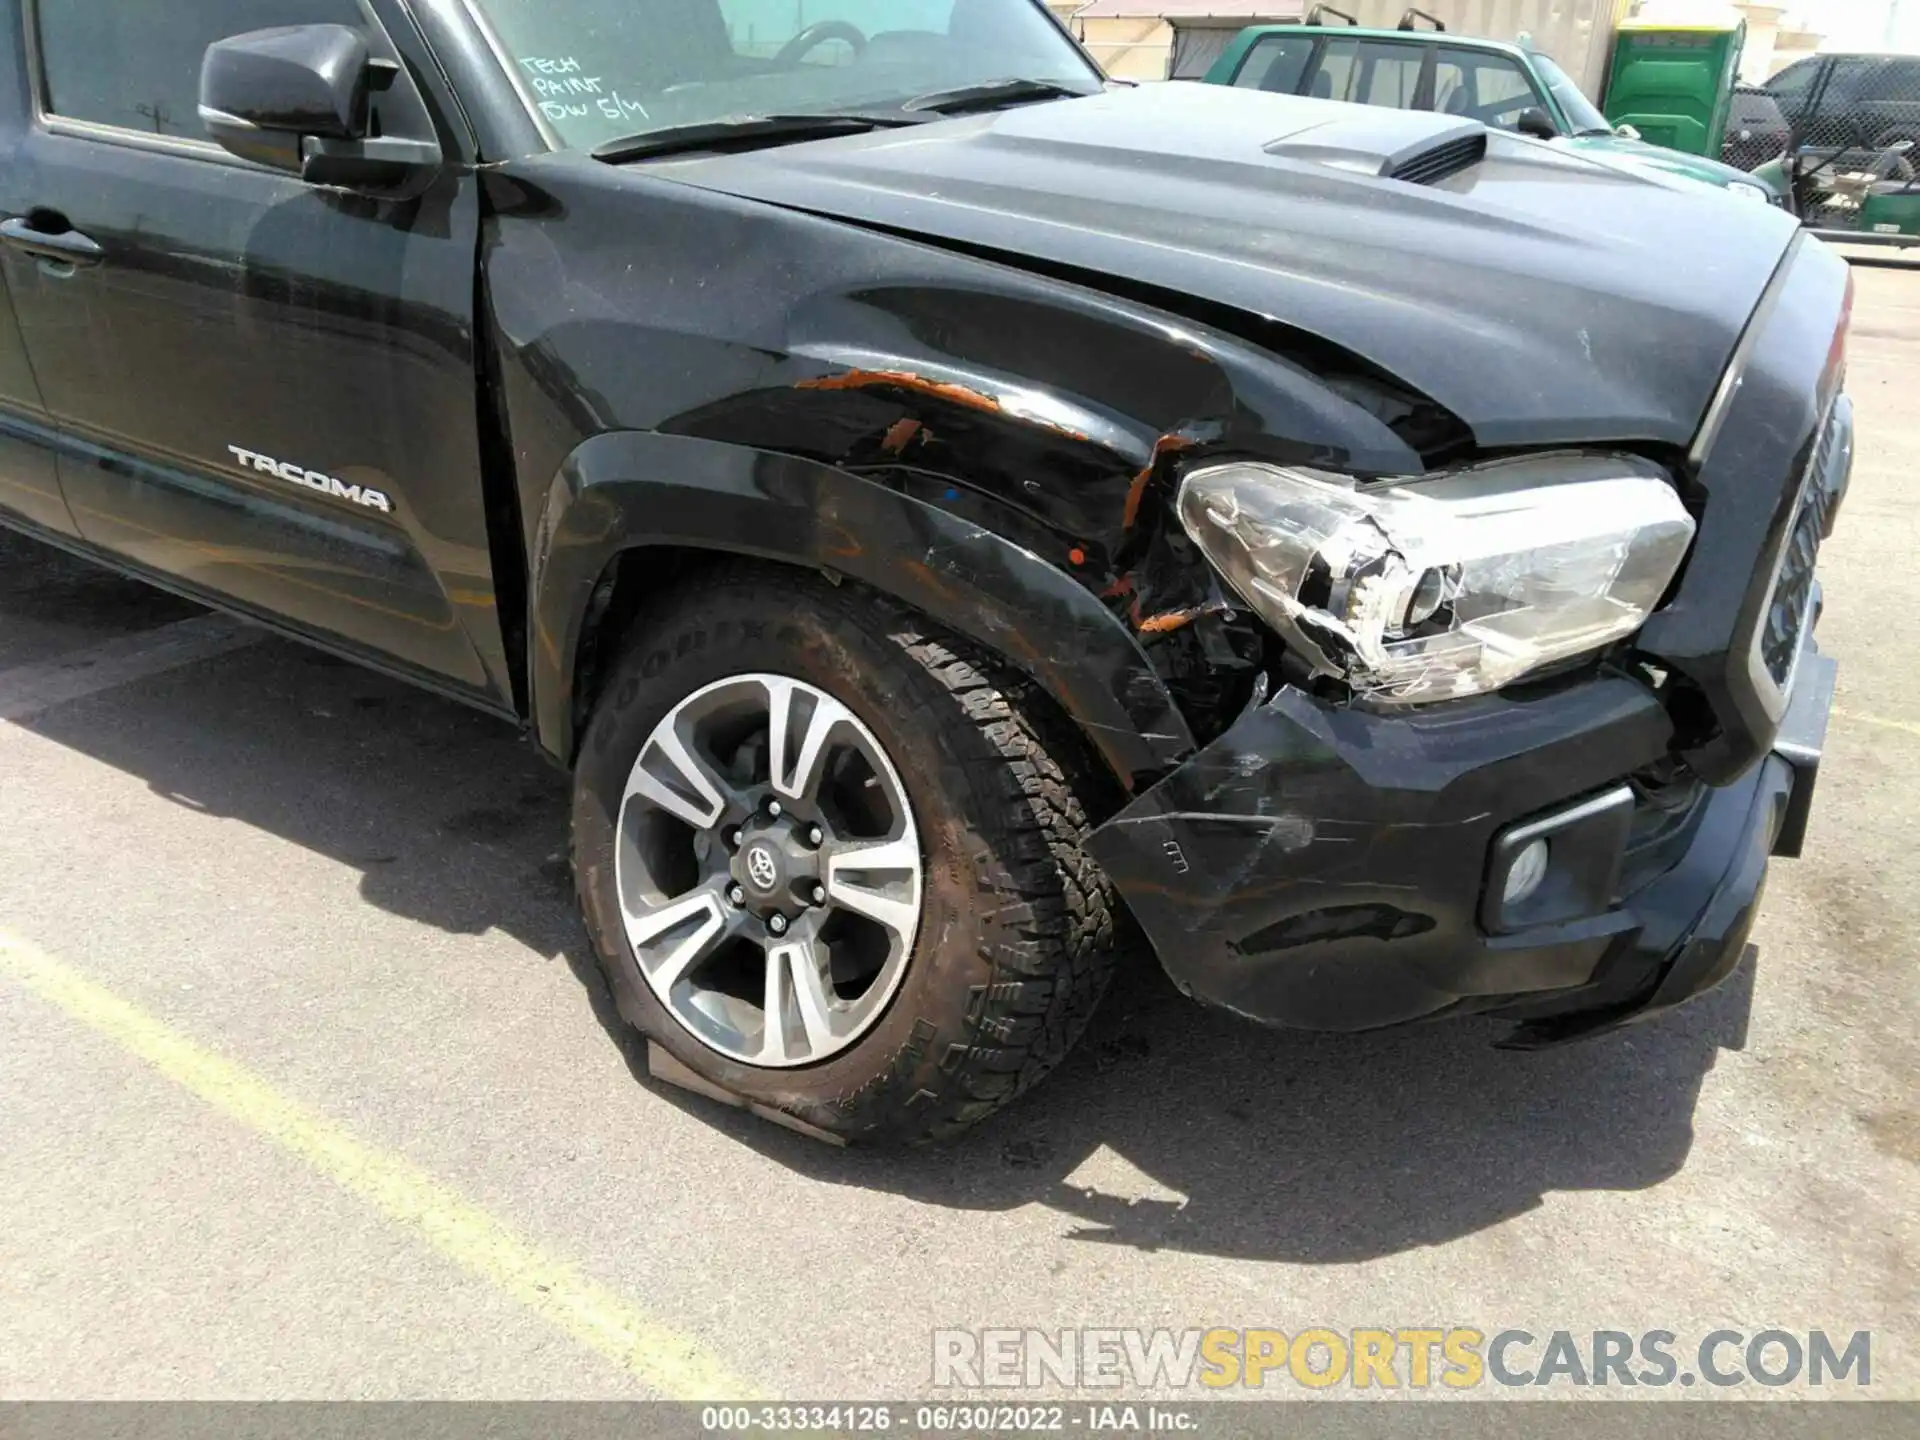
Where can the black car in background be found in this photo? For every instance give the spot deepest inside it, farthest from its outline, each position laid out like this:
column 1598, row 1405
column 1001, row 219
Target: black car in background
column 1850, row 100
column 1757, row 130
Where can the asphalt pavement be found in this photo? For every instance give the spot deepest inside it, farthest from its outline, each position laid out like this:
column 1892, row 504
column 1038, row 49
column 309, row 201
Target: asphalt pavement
column 308, row 1089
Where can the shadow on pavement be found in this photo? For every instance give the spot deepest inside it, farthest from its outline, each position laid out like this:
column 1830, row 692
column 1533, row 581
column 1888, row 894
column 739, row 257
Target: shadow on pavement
column 1266, row 1145
column 51, row 605
column 1317, row 1149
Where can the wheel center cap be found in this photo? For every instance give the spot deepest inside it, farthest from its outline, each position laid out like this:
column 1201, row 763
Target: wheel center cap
column 763, row 867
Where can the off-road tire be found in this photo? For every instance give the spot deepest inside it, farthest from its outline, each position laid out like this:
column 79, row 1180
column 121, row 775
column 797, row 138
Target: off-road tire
column 1016, row 939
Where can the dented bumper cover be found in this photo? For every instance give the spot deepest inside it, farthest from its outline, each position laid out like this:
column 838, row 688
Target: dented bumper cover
column 1328, row 867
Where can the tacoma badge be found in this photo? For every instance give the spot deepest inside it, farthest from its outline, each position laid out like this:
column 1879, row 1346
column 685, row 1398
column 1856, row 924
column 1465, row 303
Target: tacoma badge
column 314, row 480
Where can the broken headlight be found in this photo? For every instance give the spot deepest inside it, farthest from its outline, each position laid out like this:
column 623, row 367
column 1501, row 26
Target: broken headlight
column 1448, row 585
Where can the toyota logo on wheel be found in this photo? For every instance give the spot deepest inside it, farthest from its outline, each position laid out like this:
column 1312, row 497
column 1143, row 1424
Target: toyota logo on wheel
column 762, row 869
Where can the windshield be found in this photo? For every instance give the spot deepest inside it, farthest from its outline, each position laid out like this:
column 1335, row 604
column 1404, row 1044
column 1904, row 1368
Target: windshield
column 1582, row 113
column 601, row 70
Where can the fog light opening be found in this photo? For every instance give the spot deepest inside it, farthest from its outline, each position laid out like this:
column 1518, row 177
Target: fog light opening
column 1529, row 868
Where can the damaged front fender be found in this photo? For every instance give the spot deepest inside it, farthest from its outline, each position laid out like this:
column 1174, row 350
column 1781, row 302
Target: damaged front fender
column 1032, row 406
column 625, row 492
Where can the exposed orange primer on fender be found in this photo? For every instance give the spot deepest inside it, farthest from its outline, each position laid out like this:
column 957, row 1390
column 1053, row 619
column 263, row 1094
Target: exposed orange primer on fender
column 905, row 380
column 947, row 390
column 1171, row 620
column 902, row 434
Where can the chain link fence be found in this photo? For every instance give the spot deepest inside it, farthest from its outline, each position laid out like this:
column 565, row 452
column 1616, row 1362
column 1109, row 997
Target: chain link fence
column 1846, row 130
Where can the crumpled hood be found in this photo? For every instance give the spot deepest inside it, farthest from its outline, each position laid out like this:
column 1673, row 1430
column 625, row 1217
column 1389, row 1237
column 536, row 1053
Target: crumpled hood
column 1541, row 297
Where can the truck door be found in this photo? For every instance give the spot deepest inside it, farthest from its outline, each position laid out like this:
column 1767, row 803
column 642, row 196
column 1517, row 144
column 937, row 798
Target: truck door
column 262, row 388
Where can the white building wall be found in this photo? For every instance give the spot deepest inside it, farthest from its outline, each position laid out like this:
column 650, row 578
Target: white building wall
column 1128, row 47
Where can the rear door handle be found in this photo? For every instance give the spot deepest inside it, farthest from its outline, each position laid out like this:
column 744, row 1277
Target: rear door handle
column 66, row 247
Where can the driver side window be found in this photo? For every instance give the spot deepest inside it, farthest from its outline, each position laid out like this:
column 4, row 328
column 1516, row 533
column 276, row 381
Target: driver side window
column 762, row 28
column 1490, row 88
column 137, row 66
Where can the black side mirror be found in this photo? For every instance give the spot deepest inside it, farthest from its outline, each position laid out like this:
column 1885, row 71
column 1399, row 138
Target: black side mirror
column 300, row 99
column 1536, row 122
column 262, row 92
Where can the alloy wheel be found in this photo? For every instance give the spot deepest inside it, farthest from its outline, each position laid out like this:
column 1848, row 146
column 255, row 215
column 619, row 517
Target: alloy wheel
column 769, row 870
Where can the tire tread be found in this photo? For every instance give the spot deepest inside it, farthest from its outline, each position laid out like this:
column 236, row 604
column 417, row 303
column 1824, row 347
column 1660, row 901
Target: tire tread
column 1048, row 892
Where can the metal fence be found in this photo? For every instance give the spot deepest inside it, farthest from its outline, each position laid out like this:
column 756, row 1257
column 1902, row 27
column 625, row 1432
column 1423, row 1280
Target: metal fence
column 1846, row 131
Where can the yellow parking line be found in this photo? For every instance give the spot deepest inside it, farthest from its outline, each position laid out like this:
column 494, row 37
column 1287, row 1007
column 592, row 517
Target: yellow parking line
column 666, row 1361
column 1909, row 726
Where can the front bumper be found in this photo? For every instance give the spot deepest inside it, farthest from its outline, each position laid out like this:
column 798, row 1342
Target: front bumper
column 1345, row 867
column 1327, row 867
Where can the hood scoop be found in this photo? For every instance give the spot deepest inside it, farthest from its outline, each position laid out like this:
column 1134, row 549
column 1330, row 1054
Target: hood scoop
column 1381, row 142
column 1435, row 163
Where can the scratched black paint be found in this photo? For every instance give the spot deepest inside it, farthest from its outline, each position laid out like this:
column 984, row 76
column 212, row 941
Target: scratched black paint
column 1306, row 818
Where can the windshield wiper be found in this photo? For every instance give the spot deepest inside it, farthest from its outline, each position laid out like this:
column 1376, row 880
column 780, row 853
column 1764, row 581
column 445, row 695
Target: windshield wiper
column 991, row 94
column 742, row 132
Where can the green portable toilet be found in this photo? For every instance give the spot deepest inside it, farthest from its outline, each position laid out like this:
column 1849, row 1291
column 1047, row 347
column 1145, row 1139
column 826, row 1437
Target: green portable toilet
column 1674, row 82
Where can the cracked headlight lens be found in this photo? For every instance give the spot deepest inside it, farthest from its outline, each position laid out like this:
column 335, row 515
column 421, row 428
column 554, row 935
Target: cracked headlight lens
column 1448, row 585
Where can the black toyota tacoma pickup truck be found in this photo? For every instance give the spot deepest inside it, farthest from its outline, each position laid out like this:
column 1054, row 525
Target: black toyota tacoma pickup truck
column 947, row 512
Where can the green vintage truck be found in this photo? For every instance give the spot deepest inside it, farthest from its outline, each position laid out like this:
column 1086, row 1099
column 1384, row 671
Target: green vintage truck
column 1422, row 66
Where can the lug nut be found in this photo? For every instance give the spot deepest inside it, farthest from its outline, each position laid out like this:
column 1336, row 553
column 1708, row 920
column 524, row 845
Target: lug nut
column 815, row 835
column 735, row 895
column 773, row 808
column 819, row 894
column 777, row 924
column 733, row 839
